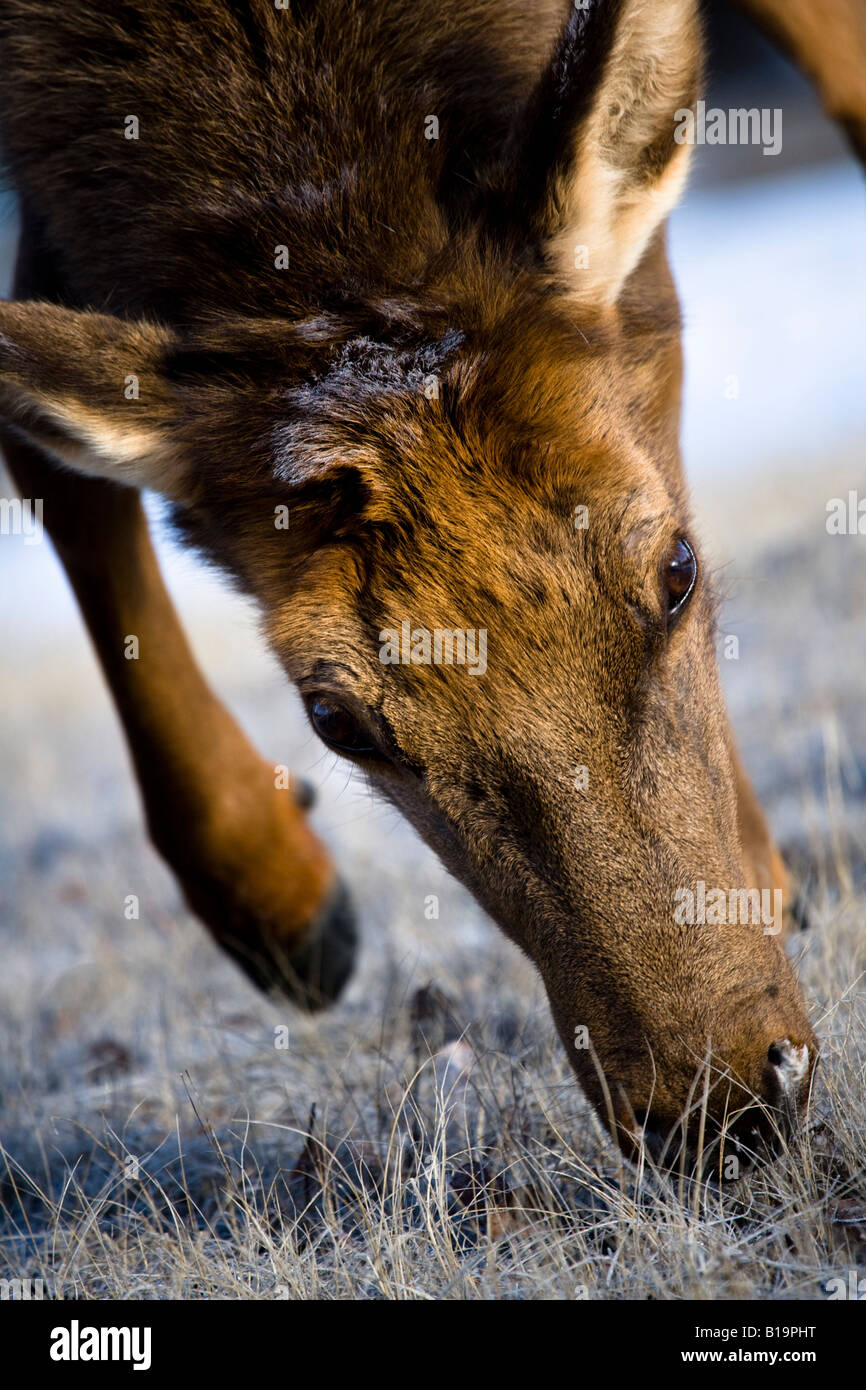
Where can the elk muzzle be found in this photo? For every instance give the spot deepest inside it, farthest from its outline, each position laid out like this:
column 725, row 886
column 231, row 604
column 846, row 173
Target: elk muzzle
column 691, row 1090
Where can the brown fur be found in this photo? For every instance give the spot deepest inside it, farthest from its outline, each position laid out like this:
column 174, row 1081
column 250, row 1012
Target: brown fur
column 409, row 259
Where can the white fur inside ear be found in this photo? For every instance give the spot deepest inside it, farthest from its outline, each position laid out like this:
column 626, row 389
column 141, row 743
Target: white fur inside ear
column 615, row 196
column 131, row 453
column 599, row 252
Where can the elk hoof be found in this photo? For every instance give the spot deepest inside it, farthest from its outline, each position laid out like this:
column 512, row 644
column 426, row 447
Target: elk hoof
column 317, row 975
column 305, row 793
column 314, row 975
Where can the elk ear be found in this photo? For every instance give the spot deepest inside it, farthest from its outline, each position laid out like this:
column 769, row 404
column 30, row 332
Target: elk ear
column 595, row 160
column 89, row 390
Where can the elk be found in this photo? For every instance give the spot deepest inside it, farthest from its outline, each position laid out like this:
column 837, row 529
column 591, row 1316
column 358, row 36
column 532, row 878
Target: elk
column 253, row 235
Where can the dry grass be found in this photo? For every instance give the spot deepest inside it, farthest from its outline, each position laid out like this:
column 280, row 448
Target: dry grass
column 157, row 1143
column 394, row 1188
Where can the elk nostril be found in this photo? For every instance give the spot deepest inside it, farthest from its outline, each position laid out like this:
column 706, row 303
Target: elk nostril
column 790, row 1064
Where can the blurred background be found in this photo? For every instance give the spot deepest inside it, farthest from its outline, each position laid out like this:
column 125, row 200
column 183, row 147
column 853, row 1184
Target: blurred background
column 770, row 257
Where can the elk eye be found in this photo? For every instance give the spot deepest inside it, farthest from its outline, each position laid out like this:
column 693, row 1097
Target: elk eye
column 680, row 576
column 338, row 728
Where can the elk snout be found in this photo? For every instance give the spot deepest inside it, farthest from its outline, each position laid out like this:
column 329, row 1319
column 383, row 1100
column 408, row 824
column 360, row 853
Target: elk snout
column 734, row 1120
column 787, row 1072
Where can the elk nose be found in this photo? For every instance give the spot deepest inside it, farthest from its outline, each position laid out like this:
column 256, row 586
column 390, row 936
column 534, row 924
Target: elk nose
column 778, row 1098
column 757, row 1121
column 786, row 1069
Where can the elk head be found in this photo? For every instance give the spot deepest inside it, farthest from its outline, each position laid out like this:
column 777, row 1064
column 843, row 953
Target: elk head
column 488, row 445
